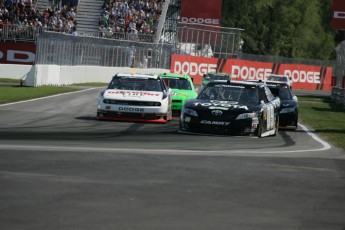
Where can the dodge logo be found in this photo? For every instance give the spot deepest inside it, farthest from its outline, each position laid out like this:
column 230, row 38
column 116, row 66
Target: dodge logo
column 216, row 112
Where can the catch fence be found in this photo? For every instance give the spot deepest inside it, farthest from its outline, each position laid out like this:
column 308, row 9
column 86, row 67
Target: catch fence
column 64, row 49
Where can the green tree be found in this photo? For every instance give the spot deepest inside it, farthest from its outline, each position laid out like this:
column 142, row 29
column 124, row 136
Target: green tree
column 289, row 28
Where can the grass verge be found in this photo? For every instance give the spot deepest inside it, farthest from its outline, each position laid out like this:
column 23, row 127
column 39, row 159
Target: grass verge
column 14, row 93
column 325, row 117
column 9, row 80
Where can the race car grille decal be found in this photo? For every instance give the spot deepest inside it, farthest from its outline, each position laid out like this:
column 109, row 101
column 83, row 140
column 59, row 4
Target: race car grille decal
column 210, row 116
column 146, row 116
column 135, row 103
column 177, row 101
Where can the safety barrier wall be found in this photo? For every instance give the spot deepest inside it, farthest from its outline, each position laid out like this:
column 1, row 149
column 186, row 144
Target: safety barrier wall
column 338, row 95
column 38, row 75
column 15, row 71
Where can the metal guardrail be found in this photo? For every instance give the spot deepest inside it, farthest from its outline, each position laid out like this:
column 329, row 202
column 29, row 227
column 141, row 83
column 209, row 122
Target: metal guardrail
column 338, row 95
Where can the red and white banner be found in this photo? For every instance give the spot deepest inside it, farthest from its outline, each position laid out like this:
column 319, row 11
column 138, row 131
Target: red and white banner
column 201, row 12
column 338, row 15
column 303, row 76
column 17, row 53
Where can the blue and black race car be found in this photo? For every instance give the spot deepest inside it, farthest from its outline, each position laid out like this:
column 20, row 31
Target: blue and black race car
column 288, row 112
column 232, row 108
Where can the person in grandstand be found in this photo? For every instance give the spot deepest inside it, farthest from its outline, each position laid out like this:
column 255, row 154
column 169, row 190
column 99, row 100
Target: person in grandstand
column 232, row 108
column 135, row 97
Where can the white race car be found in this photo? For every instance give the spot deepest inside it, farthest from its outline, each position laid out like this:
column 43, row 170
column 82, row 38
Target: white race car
column 135, row 97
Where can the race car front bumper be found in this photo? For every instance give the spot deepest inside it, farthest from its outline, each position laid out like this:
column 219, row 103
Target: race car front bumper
column 156, row 114
column 190, row 124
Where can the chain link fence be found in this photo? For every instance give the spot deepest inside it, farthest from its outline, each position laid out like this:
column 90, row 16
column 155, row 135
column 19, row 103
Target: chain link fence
column 64, row 49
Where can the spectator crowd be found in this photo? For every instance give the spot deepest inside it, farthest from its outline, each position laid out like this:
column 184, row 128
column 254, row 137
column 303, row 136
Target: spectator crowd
column 131, row 17
column 118, row 17
column 25, row 19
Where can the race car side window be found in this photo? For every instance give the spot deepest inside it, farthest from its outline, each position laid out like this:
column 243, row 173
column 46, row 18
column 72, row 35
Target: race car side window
column 263, row 96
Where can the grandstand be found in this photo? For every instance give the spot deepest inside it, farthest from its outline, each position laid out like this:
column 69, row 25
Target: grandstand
column 156, row 22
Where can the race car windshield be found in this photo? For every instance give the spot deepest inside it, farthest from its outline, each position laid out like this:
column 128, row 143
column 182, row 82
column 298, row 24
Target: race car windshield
column 282, row 92
column 240, row 94
column 216, row 77
column 178, row 83
column 140, row 84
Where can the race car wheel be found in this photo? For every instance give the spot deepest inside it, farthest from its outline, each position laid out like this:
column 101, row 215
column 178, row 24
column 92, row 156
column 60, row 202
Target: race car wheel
column 296, row 121
column 276, row 126
column 295, row 124
column 259, row 129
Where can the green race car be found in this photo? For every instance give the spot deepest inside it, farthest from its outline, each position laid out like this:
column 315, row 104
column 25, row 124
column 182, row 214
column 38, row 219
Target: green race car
column 214, row 76
column 182, row 90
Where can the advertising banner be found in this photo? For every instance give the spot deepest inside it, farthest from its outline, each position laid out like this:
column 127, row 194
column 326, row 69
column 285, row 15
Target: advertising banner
column 193, row 66
column 200, row 22
column 303, row 76
column 17, row 53
column 338, row 15
column 201, row 12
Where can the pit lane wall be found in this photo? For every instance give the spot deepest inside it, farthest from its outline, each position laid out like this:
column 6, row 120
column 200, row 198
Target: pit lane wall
column 39, row 75
column 305, row 77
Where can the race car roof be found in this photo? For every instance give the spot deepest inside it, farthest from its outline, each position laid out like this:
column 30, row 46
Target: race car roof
column 220, row 74
column 234, row 82
column 136, row 75
column 173, row 75
column 276, row 84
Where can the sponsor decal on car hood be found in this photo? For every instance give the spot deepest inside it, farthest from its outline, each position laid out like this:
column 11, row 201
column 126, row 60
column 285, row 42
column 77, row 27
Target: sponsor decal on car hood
column 133, row 95
column 220, row 105
column 183, row 94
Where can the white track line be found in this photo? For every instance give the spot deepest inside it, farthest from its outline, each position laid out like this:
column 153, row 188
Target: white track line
column 325, row 145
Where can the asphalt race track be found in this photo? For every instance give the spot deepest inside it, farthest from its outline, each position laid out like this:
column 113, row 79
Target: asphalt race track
column 60, row 168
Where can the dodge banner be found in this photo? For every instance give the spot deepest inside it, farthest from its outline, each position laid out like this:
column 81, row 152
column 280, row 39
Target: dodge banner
column 201, row 12
column 338, row 15
column 303, row 76
column 17, row 53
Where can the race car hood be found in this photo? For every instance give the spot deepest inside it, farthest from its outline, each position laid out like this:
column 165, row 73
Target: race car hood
column 178, row 94
column 116, row 94
column 226, row 106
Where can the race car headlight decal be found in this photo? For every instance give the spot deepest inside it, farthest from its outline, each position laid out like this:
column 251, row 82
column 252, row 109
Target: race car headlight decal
column 190, row 112
column 287, row 110
column 246, row 116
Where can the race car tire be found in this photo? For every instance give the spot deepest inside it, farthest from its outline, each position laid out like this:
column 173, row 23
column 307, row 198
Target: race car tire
column 276, row 126
column 259, row 129
column 296, row 124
